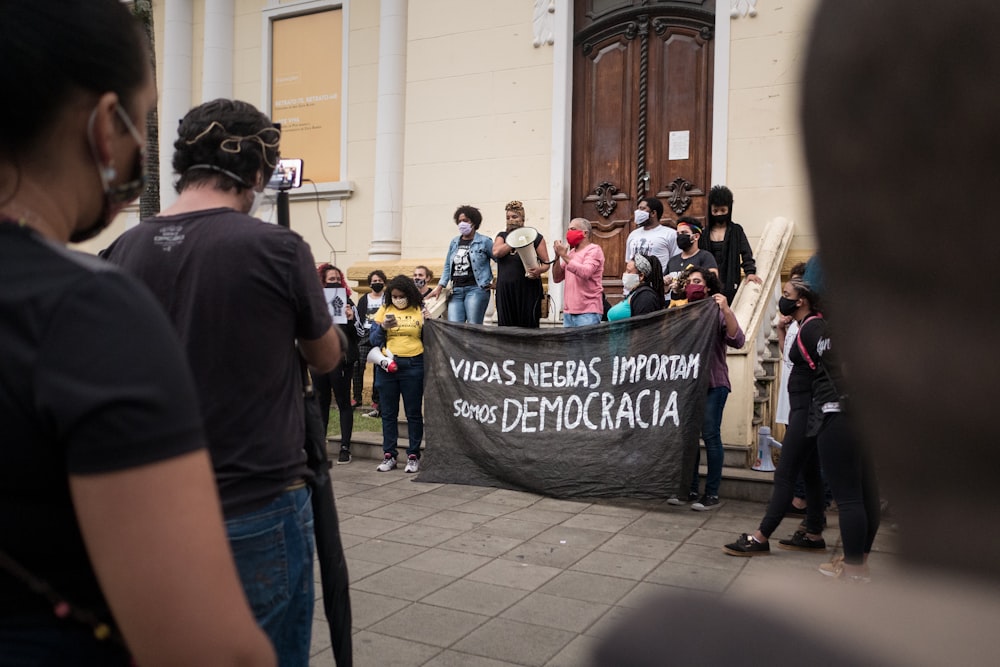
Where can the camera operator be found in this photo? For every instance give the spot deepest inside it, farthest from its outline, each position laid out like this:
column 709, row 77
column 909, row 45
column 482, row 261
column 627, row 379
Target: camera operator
column 240, row 292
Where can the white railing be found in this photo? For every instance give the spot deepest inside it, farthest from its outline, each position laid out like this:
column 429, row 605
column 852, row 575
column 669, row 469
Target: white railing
column 754, row 307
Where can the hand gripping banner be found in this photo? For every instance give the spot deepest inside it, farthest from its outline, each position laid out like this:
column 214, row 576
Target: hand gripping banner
column 612, row 410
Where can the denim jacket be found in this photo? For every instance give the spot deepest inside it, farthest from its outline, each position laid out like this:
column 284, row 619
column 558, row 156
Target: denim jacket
column 480, row 254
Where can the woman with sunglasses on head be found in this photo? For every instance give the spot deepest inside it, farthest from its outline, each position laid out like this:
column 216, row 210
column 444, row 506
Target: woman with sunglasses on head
column 113, row 550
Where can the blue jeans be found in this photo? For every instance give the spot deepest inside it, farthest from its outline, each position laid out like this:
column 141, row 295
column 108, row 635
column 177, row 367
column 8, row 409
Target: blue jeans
column 711, row 433
column 468, row 304
column 408, row 382
column 580, row 319
column 273, row 549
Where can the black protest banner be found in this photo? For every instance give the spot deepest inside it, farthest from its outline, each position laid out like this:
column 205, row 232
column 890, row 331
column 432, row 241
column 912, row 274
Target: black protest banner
column 612, row 410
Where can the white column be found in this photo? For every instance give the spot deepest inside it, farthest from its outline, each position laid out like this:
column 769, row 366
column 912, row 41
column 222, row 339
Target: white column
column 176, row 93
column 387, row 225
column 217, row 60
column 720, row 97
column 562, row 130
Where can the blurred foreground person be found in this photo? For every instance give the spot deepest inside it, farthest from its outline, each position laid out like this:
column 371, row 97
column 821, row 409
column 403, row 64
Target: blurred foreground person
column 112, row 547
column 902, row 94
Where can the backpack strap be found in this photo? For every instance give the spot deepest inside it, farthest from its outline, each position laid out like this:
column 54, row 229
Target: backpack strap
column 798, row 340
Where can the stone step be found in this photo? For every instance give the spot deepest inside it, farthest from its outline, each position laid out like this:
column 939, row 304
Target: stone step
column 739, row 482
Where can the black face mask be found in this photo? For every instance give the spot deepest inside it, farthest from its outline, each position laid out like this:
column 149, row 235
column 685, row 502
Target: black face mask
column 333, row 285
column 787, row 306
column 684, row 241
column 377, row 287
column 720, row 219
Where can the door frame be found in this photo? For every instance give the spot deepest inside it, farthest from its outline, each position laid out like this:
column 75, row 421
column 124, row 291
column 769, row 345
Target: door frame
column 562, row 110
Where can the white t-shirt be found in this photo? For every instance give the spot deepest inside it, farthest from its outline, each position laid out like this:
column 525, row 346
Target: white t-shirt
column 660, row 241
column 781, row 413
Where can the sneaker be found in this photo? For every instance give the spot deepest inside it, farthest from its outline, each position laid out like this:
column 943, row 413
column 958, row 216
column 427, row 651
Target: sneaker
column 746, row 545
column 799, row 542
column 705, row 503
column 355, row 404
column 388, row 463
column 412, row 464
column 345, row 456
column 374, row 414
column 674, row 500
column 835, row 569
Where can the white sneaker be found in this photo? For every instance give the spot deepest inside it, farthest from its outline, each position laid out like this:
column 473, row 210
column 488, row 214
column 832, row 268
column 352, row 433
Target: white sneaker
column 412, row 464
column 388, row 463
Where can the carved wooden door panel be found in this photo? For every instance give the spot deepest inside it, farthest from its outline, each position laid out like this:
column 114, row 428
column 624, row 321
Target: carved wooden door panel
column 642, row 70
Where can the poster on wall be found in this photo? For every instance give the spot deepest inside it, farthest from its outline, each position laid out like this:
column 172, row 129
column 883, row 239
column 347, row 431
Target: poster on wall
column 306, row 83
column 611, row 410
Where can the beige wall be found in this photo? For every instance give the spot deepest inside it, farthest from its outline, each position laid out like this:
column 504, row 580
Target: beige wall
column 478, row 118
column 765, row 166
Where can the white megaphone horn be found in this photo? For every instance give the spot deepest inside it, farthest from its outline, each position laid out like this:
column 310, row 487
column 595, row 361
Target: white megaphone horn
column 383, row 359
column 522, row 240
column 765, row 443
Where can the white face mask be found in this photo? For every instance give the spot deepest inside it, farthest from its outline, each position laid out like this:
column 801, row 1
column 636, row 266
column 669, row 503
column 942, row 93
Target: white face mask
column 400, row 302
column 641, row 217
column 630, row 281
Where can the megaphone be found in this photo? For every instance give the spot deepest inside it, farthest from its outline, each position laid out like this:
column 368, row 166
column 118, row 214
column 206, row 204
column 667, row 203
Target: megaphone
column 522, row 240
column 384, row 360
column 765, row 443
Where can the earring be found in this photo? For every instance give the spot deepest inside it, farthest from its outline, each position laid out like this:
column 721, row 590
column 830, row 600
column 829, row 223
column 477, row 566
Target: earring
column 109, row 173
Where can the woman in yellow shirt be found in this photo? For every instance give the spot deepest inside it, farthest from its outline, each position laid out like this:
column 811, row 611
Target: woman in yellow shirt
column 398, row 326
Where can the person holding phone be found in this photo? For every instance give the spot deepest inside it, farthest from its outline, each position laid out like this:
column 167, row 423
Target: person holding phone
column 398, row 326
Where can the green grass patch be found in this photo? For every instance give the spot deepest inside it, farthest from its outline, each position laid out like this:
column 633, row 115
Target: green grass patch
column 361, row 422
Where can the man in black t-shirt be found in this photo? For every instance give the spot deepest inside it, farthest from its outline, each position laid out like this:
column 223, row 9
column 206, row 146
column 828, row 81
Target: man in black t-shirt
column 240, row 293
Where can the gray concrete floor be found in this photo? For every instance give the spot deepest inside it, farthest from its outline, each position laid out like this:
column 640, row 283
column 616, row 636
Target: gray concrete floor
column 448, row 575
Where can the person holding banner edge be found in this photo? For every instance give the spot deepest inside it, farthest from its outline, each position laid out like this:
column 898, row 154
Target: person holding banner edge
column 519, row 291
column 702, row 283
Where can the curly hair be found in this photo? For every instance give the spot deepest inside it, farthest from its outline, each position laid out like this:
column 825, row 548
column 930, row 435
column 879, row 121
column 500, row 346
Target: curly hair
column 472, row 213
column 655, row 205
column 227, row 142
column 405, row 285
column 377, row 272
column 712, row 282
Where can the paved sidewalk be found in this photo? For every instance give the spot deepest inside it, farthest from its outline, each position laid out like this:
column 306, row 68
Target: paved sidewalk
column 452, row 575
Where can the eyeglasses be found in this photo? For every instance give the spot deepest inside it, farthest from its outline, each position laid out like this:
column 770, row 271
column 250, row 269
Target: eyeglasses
column 132, row 188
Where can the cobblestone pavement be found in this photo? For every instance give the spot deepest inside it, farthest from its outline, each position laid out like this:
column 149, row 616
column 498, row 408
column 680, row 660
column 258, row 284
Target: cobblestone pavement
column 451, row 575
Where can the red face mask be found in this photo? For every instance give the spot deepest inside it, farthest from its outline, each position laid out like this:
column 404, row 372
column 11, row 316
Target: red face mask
column 574, row 237
column 694, row 292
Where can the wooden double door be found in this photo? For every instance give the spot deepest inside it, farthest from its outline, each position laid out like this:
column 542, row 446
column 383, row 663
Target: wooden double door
column 642, row 115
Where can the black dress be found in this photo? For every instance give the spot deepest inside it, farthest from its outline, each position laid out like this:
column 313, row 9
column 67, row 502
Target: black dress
column 519, row 299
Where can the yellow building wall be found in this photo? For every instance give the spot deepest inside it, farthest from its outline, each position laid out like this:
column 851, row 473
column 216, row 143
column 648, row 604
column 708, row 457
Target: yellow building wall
column 765, row 161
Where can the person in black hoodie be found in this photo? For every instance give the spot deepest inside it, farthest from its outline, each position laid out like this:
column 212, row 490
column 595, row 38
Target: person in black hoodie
column 727, row 242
